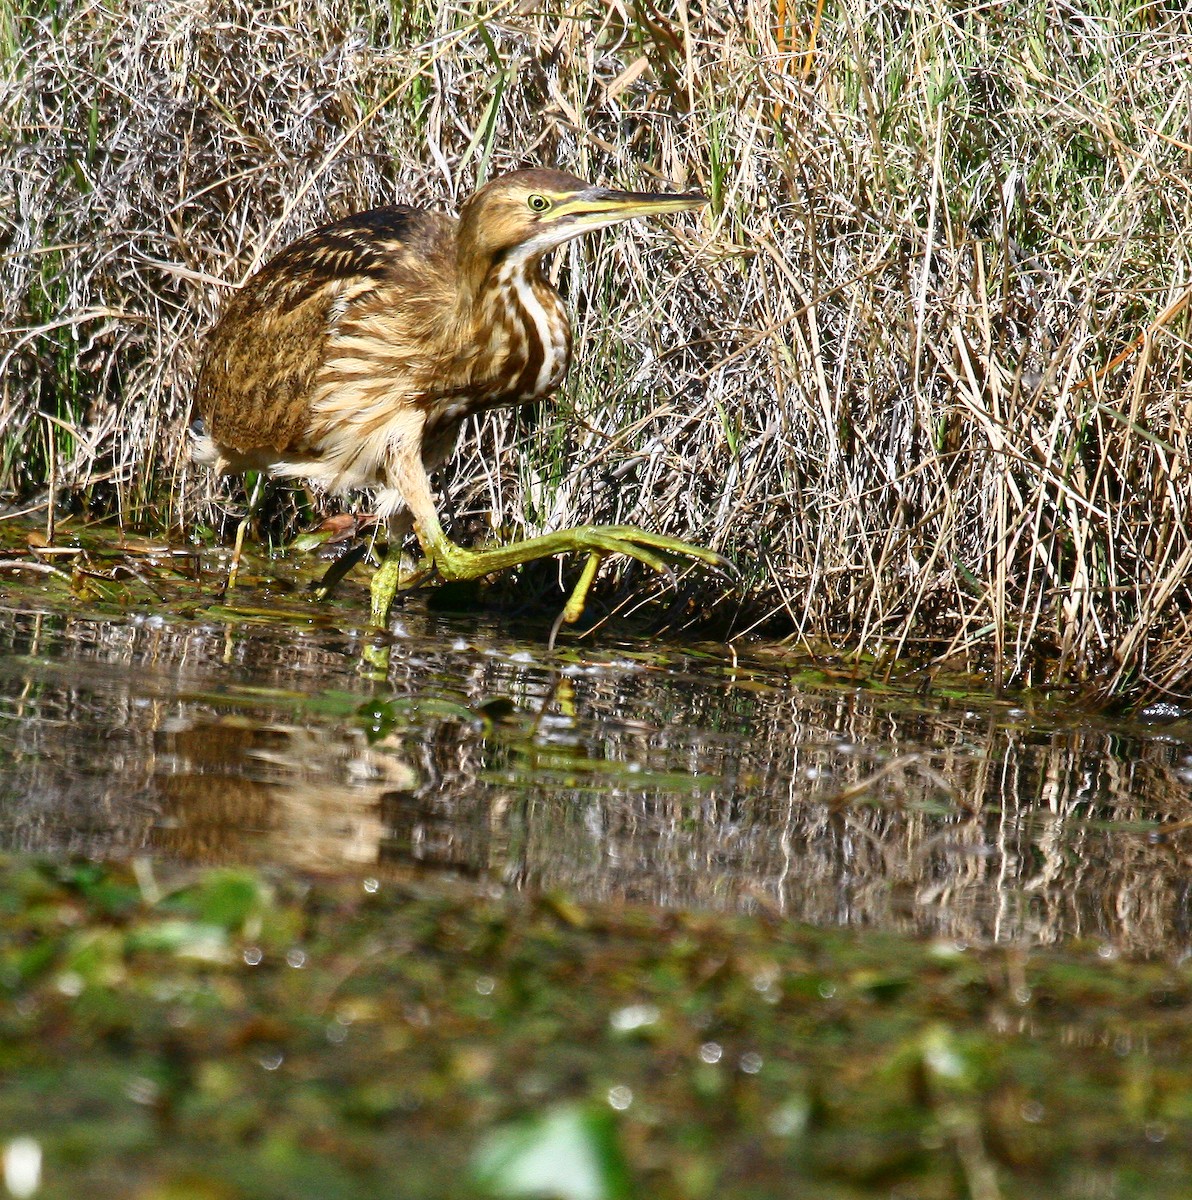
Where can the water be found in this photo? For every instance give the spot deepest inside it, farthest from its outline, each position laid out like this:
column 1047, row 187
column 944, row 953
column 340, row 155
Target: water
column 609, row 770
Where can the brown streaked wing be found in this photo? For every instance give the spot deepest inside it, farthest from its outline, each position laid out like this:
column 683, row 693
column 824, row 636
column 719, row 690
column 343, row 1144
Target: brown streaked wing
column 262, row 356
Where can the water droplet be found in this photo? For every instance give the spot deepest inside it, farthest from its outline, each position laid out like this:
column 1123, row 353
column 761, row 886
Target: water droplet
column 70, row 983
column 141, row 1090
column 634, row 1016
column 790, row 1119
column 765, row 979
column 711, row 1052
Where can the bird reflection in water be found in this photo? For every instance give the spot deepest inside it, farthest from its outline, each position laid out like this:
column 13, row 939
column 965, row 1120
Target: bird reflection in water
column 237, row 790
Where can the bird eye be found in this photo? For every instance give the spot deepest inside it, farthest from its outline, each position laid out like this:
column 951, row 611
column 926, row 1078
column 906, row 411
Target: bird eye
column 538, row 203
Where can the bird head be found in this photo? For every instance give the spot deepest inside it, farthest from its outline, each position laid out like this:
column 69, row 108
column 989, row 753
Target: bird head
column 527, row 213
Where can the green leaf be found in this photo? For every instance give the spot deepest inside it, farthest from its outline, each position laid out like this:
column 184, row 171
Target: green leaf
column 568, row 1153
column 227, row 898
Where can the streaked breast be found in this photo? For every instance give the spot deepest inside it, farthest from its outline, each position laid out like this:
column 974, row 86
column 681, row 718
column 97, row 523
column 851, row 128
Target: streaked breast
column 537, row 333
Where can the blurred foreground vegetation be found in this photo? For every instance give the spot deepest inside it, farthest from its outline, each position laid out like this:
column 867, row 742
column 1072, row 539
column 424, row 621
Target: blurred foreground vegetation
column 223, row 1033
column 875, row 374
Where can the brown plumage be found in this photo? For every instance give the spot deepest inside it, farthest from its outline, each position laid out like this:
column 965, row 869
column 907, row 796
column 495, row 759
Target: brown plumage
column 352, row 357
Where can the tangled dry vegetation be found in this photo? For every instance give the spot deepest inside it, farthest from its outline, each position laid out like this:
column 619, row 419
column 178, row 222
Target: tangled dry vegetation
column 873, row 375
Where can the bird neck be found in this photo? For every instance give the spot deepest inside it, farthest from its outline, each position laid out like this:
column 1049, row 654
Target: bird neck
column 519, row 320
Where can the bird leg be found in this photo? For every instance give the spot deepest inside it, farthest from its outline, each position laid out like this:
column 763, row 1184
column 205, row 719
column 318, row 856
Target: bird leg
column 388, row 579
column 385, row 582
column 455, row 563
column 241, row 529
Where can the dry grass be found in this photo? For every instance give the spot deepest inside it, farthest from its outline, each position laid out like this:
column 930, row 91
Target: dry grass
column 870, row 376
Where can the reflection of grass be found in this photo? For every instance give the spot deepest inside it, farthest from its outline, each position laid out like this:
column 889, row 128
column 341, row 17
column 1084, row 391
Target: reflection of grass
column 228, row 1033
column 537, row 768
column 870, row 377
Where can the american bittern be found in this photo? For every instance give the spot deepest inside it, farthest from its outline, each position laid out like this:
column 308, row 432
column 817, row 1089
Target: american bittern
column 352, row 358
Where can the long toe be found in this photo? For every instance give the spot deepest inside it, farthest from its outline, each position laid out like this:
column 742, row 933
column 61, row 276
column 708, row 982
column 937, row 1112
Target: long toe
column 672, row 546
column 605, row 544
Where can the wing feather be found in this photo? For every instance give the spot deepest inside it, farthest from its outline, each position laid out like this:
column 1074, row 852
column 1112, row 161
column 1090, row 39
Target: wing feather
column 263, row 355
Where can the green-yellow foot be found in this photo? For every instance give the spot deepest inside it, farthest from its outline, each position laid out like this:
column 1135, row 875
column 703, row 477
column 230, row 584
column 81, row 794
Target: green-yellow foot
column 656, row 550
column 454, row 563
